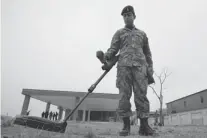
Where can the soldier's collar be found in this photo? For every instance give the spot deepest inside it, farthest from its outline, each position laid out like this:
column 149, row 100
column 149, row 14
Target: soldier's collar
column 133, row 28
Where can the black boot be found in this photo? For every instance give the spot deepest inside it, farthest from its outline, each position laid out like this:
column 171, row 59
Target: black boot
column 126, row 127
column 147, row 125
column 141, row 128
column 145, row 129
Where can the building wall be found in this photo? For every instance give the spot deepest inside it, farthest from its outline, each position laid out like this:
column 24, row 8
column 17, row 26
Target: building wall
column 102, row 115
column 101, row 104
column 190, row 103
column 197, row 117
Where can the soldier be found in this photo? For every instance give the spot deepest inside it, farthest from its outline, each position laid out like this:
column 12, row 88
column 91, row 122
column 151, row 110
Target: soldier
column 134, row 68
column 46, row 114
column 43, row 114
column 56, row 116
column 53, row 116
column 50, row 115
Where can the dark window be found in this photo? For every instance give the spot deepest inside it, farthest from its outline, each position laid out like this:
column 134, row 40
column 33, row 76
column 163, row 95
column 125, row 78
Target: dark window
column 184, row 103
column 201, row 99
column 173, row 112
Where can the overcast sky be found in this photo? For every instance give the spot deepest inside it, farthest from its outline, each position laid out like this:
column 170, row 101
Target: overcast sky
column 51, row 44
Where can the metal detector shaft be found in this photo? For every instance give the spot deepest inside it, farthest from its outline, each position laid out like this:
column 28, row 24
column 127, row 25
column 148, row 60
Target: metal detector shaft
column 48, row 125
column 45, row 124
column 90, row 90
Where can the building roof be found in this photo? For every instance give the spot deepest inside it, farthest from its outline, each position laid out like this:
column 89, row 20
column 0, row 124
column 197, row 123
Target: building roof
column 205, row 90
column 67, row 99
column 32, row 92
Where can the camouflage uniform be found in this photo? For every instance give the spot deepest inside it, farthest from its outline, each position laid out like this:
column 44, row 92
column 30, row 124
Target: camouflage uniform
column 134, row 59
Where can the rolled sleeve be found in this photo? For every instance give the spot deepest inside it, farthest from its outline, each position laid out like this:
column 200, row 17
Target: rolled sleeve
column 147, row 51
column 115, row 45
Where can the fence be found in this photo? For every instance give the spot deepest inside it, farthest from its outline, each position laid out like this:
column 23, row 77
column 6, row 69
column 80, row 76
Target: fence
column 197, row 117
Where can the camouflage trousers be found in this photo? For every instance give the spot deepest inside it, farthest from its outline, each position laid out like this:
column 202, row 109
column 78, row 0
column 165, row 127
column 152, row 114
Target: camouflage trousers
column 132, row 79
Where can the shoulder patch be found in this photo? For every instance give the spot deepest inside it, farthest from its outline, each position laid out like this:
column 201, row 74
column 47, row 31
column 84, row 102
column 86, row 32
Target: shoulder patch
column 141, row 32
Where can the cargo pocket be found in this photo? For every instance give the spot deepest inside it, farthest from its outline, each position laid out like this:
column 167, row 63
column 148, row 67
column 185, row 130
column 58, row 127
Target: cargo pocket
column 123, row 77
column 118, row 77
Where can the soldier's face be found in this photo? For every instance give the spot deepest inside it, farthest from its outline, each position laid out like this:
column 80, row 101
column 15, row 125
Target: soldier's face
column 128, row 18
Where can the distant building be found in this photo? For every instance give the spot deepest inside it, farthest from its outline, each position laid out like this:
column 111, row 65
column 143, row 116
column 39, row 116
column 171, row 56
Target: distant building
column 157, row 112
column 96, row 107
column 191, row 102
column 188, row 110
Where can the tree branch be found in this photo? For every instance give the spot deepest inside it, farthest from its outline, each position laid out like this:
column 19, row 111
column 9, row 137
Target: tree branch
column 165, row 74
column 155, row 92
column 162, row 78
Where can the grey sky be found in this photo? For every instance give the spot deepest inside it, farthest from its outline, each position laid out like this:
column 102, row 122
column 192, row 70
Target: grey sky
column 51, row 44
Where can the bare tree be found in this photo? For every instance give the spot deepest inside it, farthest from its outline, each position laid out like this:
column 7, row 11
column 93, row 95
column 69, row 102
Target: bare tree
column 161, row 79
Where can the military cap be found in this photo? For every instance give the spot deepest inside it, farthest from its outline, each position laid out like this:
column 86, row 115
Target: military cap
column 127, row 9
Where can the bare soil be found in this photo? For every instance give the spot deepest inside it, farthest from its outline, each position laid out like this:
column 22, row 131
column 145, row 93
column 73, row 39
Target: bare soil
column 104, row 130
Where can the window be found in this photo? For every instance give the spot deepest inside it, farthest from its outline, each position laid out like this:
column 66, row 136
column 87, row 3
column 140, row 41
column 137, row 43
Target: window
column 201, row 97
column 173, row 111
column 184, row 103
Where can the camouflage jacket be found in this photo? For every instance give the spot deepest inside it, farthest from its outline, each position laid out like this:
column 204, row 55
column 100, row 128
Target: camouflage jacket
column 132, row 46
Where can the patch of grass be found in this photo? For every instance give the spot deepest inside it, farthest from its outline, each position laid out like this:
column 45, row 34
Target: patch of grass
column 69, row 135
column 107, row 132
column 90, row 134
column 7, row 123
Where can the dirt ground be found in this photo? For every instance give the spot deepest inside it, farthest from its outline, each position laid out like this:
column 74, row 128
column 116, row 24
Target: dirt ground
column 104, row 130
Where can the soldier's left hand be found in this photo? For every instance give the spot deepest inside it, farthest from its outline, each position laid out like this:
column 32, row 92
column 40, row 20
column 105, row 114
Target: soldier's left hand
column 150, row 71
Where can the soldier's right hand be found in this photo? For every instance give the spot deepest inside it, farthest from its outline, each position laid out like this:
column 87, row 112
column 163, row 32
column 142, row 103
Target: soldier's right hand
column 107, row 56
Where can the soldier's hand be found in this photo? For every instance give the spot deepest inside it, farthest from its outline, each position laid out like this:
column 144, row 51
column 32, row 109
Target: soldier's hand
column 150, row 71
column 107, row 56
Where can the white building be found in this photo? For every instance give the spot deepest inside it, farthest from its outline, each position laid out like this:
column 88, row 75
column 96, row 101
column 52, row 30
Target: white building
column 96, row 107
column 189, row 110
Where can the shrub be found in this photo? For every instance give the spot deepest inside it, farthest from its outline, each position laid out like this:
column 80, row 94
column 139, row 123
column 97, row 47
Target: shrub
column 6, row 123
